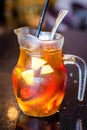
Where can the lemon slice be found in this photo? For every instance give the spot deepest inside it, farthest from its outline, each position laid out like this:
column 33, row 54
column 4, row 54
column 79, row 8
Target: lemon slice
column 37, row 63
column 46, row 69
column 28, row 76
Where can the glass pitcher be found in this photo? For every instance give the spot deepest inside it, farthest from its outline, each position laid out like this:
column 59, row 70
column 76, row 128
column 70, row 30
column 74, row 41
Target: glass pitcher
column 40, row 77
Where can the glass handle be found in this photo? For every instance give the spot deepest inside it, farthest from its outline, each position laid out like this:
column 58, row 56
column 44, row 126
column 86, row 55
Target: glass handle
column 82, row 68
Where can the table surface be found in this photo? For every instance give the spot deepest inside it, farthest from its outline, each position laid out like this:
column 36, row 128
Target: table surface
column 72, row 114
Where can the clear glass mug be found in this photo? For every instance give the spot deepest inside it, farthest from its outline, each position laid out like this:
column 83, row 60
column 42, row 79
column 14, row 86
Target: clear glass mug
column 40, row 76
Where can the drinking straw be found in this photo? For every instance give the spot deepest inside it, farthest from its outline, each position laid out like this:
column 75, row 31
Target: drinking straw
column 42, row 18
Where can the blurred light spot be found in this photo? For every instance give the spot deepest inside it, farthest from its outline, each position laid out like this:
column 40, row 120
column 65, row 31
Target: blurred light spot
column 71, row 74
column 75, row 81
column 64, row 108
column 12, row 113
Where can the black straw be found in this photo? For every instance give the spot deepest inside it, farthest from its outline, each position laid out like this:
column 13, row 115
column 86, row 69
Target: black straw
column 42, row 18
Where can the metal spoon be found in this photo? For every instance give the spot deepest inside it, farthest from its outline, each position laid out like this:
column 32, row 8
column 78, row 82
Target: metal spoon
column 60, row 17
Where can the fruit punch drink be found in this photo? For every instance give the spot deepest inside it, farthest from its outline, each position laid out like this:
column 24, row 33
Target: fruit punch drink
column 39, row 77
column 39, row 81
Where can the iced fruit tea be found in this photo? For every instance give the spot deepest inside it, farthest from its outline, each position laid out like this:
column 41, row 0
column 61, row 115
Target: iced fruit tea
column 39, row 81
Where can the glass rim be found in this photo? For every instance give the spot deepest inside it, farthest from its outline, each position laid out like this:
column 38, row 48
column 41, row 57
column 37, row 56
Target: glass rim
column 23, row 34
column 20, row 29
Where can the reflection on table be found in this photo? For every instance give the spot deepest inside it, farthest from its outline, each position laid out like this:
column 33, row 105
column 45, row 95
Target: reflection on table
column 54, row 122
